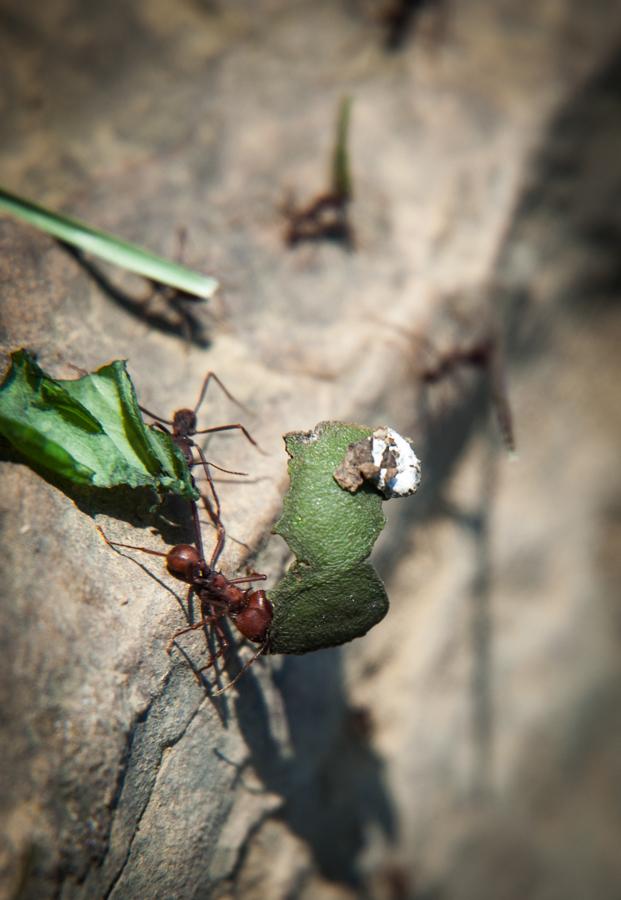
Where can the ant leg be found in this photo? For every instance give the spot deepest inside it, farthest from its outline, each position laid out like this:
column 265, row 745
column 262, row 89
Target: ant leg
column 81, row 372
column 254, row 576
column 202, row 623
column 128, row 546
column 214, row 514
column 227, row 393
column 223, row 645
column 189, row 611
column 246, row 666
column 212, row 486
column 237, row 425
column 243, row 544
column 198, row 537
column 220, row 532
column 228, row 471
column 221, row 536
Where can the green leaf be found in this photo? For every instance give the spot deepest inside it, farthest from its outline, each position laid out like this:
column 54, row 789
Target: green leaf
column 330, row 595
column 88, row 430
column 317, row 609
column 325, row 526
column 106, row 246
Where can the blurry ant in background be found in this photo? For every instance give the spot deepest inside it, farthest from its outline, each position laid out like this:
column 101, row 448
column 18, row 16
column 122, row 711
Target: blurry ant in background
column 484, row 352
column 327, row 216
column 176, row 299
column 400, row 18
column 184, row 323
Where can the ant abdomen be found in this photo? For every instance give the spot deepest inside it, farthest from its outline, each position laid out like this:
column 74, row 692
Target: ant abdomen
column 255, row 618
column 184, row 561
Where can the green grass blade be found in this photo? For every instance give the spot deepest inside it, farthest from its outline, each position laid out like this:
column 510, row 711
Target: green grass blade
column 106, row 246
column 340, row 170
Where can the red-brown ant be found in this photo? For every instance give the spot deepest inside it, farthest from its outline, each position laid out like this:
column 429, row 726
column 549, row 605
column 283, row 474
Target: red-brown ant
column 184, row 429
column 249, row 610
column 400, row 17
column 485, row 354
column 324, row 218
column 327, row 216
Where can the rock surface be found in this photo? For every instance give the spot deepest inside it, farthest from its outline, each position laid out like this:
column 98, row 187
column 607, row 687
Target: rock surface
column 468, row 746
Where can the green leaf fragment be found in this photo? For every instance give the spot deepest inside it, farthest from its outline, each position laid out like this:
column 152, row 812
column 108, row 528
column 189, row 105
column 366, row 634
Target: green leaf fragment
column 88, row 430
column 325, row 526
column 313, row 610
column 330, row 595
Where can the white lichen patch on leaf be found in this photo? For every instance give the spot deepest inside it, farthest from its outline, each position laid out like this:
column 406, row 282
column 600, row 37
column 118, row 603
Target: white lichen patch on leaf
column 398, row 465
column 386, row 460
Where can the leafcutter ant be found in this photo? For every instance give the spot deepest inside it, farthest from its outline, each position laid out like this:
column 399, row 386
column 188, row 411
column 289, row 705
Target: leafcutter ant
column 485, row 354
column 326, row 217
column 400, row 17
column 168, row 309
column 182, row 430
column 483, row 351
column 248, row 609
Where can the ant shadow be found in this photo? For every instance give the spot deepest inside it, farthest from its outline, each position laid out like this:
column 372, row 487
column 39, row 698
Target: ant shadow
column 330, row 778
column 184, row 324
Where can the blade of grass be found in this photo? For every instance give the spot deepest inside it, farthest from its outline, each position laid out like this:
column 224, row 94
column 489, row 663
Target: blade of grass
column 340, row 171
column 106, row 246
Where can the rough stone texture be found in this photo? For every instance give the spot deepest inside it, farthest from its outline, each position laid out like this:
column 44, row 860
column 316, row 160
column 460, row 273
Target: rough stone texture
column 468, row 747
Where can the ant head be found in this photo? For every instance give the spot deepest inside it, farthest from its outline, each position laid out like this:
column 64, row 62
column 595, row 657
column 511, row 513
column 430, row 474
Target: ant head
column 255, row 619
column 184, row 421
column 183, row 561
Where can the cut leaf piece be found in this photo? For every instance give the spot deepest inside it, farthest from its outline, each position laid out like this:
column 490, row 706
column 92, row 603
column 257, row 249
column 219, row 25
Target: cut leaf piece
column 330, row 595
column 325, row 526
column 88, row 430
column 317, row 609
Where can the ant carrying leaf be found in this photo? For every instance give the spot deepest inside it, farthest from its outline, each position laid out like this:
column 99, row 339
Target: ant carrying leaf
column 249, row 610
column 219, row 597
column 331, row 594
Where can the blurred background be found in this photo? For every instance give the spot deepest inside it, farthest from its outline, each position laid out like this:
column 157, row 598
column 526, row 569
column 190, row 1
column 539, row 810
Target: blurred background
column 470, row 745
